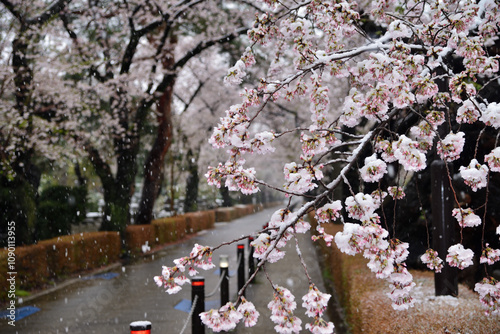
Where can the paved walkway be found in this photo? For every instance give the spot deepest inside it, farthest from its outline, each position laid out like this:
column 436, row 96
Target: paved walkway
column 109, row 305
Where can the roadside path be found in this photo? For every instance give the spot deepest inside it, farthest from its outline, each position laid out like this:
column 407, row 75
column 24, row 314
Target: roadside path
column 108, row 306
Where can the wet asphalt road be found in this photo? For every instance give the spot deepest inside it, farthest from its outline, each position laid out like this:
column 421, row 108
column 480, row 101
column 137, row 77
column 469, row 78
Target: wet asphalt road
column 108, row 306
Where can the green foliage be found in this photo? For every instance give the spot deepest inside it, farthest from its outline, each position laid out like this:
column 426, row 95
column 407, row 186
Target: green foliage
column 17, row 203
column 58, row 208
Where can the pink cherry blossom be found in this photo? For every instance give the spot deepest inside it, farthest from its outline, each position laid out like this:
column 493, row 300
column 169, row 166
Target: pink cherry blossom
column 468, row 112
column 409, row 155
column 475, row 175
column 282, row 307
column 451, row 146
column 361, row 206
column 489, row 294
column 396, row 192
column 224, row 319
column 489, row 255
column 328, row 212
column 249, row 313
column 466, row 217
column 459, row 257
column 373, row 170
column 491, row 116
column 402, row 284
column 432, row 260
column 493, row 160
column 315, row 302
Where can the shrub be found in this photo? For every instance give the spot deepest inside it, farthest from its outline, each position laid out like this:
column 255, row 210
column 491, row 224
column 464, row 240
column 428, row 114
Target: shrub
column 31, row 266
column 225, row 214
column 137, row 235
column 165, row 230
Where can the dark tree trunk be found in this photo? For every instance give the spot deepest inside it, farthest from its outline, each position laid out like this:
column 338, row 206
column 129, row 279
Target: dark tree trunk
column 193, row 179
column 153, row 169
column 226, row 198
column 117, row 191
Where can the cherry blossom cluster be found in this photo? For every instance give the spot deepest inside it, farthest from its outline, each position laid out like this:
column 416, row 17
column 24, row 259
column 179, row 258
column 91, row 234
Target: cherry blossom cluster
column 396, row 192
column 326, row 214
column 474, row 175
column 432, row 260
column 386, row 259
column 373, row 170
column 228, row 316
column 172, row 278
column 282, row 307
column 300, row 178
column 489, row 294
column 459, row 257
column 237, row 177
column 489, row 255
column 315, row 303
column 225, row 319
column 466, row 217
column 451, row 146
column 266, row 246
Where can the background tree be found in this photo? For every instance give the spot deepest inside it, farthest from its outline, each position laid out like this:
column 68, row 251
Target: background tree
column 28, row 114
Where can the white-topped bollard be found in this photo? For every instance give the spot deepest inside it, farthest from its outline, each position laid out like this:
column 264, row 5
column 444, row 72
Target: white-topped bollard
column 140, row 327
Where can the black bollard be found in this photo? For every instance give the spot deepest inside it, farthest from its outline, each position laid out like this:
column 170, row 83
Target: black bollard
column 251, row 260
column 224, row 285
column 140, row 327
column 241, row 266
column 443, row 231
column 197, row 290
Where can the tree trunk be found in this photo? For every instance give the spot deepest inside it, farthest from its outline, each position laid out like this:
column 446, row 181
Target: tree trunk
column 117, row 191
column 116, row 209
column 193, row 179
column 153, row 169
column 227, row 201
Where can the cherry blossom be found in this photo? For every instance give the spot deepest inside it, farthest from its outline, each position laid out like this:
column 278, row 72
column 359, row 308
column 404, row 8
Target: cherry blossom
column 489, row 294
column 224, row 319
column 300, row 178
column 348, row 93
column 468, row 112
column 249, row 313
column 409, row 155
column 432, row 260
column 282, row 307
column 474, row 175
column 373, row 170
column 466, row 217
column 328, row 212
column 396, row 192
column 489, row 255
column 491, row 114
column 361, row 206
column 170, row 283
column 451, row 146
column 460, row 257
column 493, row 160
column 315, row 303
column 349, row 241
column 402, row 284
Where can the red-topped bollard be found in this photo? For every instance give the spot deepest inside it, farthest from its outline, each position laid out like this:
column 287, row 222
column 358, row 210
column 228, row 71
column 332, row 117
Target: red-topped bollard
column 241, row 266
column 198, row 297
column 140, row 327
column 224, row 273
column 251, row 260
